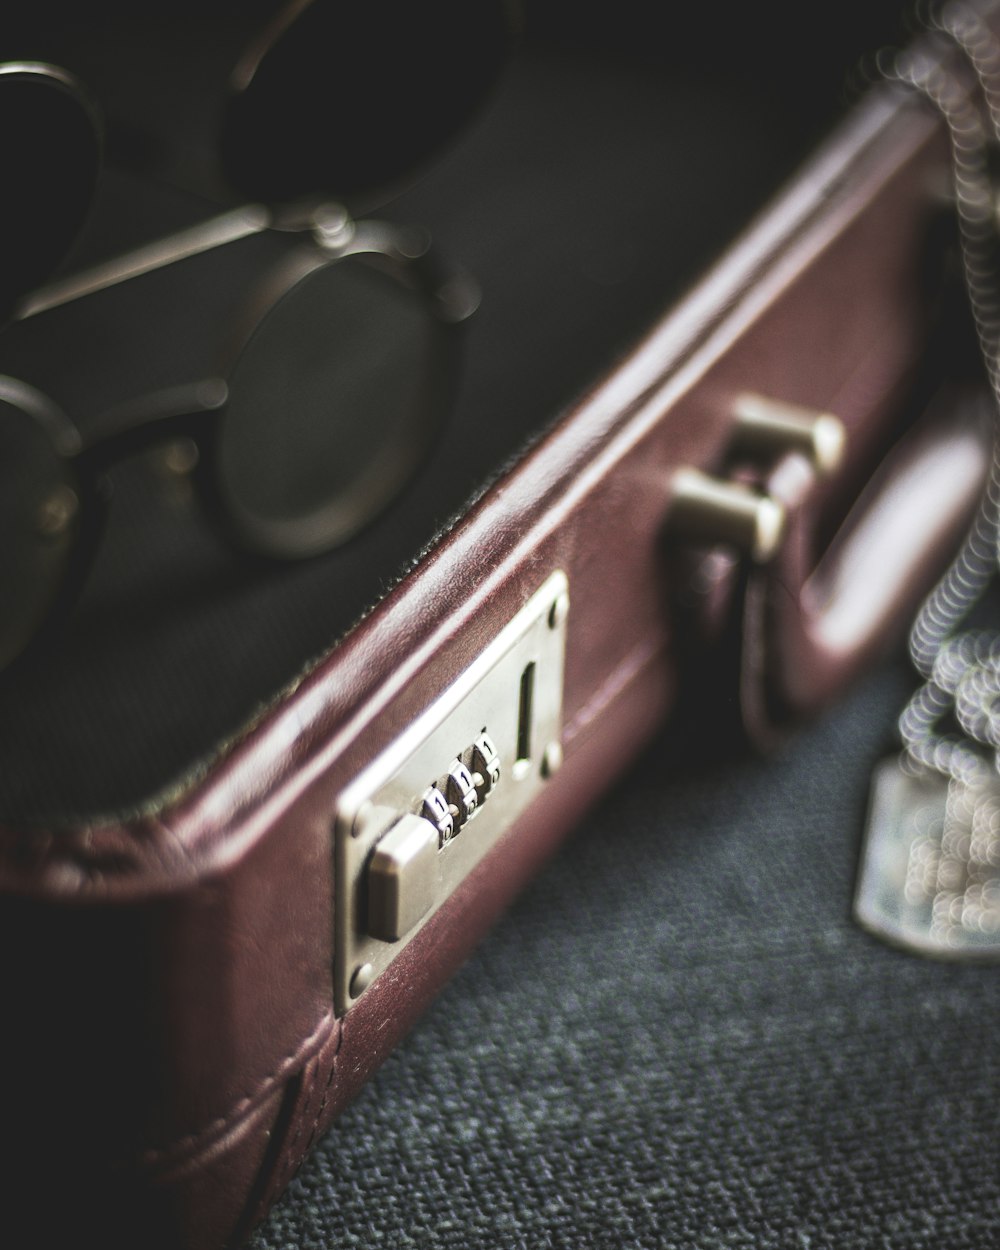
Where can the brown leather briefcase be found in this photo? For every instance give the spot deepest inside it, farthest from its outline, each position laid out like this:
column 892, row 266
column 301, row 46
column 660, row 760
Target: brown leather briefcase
column 684, row 471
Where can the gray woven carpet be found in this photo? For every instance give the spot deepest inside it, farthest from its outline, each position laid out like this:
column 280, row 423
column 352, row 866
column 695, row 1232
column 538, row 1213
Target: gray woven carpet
column 679, row 1038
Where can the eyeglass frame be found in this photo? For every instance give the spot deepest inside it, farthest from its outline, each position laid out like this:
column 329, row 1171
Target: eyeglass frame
column 78, row 509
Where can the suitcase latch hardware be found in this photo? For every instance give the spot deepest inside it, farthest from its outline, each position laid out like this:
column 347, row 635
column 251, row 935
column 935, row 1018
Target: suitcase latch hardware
column 715, row 510
column 424, row 813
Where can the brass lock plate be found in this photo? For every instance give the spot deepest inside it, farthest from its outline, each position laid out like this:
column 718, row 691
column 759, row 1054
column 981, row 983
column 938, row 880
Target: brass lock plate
column 422, row 815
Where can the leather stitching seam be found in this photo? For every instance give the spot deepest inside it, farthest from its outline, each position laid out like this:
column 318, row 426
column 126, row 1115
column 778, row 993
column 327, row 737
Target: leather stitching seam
column 318, row 1119
column 301, row 1118
column 192, row 1142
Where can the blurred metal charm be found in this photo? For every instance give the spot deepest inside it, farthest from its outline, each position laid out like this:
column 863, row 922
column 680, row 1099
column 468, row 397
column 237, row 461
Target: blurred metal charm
column 930, row 870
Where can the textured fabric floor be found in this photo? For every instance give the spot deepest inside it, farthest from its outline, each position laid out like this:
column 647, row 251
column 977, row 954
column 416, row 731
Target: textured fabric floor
column 679, row 1038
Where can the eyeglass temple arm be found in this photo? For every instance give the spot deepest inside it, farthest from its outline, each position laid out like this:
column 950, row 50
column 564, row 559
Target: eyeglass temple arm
column 176, row 412
column 330, row 225
column 204, row 237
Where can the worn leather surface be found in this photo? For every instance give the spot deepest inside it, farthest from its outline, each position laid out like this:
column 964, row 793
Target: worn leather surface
column 191, row 948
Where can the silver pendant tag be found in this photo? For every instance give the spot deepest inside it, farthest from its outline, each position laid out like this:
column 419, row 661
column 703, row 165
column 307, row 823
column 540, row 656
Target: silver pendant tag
column 930, row 870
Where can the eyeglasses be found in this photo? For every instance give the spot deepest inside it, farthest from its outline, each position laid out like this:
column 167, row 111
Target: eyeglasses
column 52, row 153
column 330, row 392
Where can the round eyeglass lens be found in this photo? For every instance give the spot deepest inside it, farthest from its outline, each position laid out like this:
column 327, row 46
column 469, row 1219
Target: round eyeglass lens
column 348, row 98
column 51, row 157
column 333, row 403
column 39, row 505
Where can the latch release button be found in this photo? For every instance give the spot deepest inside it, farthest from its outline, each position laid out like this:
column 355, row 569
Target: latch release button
column 402, row 878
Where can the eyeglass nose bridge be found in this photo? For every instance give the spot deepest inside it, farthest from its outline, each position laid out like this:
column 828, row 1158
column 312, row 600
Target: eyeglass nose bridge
column 158, row 417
